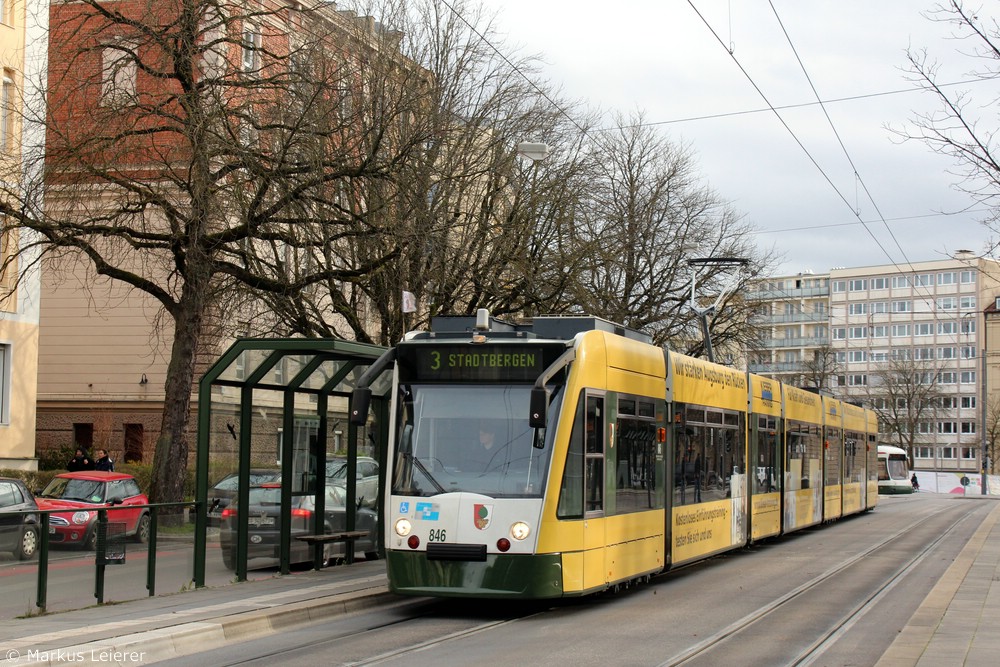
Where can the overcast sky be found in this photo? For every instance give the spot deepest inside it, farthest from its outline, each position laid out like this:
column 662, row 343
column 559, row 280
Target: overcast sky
column 660, row 57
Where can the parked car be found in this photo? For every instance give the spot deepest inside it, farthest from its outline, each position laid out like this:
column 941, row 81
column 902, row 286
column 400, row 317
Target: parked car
column 367, row 477
column 18, row 532
column 224, row 491
column 265, row 525
column 82, row 494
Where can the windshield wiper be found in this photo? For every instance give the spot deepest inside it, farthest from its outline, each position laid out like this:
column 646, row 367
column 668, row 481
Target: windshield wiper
column 427, row 474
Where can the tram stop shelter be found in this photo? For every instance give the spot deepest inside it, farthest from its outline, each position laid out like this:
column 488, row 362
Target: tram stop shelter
column 277, row 410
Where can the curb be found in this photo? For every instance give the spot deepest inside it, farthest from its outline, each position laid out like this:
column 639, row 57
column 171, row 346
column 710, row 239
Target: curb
column 197, row 636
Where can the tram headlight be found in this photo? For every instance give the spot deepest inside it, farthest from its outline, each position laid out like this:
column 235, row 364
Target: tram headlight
column 403, row 527
column 520, row 530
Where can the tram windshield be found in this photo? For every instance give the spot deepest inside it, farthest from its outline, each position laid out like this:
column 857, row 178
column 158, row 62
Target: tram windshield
column 472, row 438
column 896, row 467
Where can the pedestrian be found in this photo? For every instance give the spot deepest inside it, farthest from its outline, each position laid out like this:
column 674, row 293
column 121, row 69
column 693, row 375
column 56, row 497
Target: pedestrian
column 103, row 461
column 915, row 482
column 80, row 461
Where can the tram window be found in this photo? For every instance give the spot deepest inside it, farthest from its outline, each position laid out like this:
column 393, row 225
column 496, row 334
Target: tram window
column 635, row 466
column 833, row 445
column 767, row 456
column 594, row 482
column 626, row 406
column 571, row 492
column 707, row 456
column 647, row 409
column 804, row 451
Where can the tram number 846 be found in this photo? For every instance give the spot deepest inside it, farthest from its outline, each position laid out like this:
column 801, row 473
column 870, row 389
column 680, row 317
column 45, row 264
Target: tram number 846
column 437, row 535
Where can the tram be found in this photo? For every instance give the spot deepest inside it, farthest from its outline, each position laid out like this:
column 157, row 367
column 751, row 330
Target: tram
column 893, row 470
column 570, row 456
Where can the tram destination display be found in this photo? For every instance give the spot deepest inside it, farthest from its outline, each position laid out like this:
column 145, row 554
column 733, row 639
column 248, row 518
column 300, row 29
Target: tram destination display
column 467, row 363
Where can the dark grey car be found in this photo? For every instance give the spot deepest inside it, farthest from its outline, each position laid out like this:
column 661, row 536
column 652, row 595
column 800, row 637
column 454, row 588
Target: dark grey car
column 264, row 522
column 18, row 532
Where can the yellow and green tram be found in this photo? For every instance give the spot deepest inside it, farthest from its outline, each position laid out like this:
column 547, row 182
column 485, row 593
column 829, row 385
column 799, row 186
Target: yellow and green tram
column 570, row 456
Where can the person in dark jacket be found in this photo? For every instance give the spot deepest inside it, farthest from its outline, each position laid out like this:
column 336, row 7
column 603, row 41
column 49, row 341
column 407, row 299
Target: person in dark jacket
column 81, row 461
column 103, row 461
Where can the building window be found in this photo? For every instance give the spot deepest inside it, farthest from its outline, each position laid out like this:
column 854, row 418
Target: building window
column 858, row 285
column 947, row 452
column 880, row 331
column 968, row 352
column 967, row 303
column 83, row 436
column 968, row 377
column 840, row 356
column 924, row 453
column 857, row 309
column 946, row 352
column 923, row 280
column 250, row 60
column 839, row 333
column 945, row 402
column 968, row 427
column 899, row 282
column 133, row 443
column 901, row 306
column 880, row 307
column 819, row 331
column 857, row 380
column 5, row 365
column 969, row 402
column 857, row 355
column 839, row 285
column 947, row 327
column 968, row 277
column 946, row 377
column 949, row 278
column 947, row 303
column 7, row 111
column 118, row 74
column 859, row 332
column 923, row 329
column 946, row 428
column 969, row 453
column 879, row 355
column 968, row 326
column 880, row 283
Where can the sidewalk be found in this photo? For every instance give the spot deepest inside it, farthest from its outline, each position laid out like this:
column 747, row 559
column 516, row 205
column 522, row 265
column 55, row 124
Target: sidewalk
column 158, row 628
column 956, row 623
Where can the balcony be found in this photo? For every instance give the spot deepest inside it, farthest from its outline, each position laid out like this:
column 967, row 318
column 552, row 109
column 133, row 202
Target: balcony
column 788, row 294
column 809, row 341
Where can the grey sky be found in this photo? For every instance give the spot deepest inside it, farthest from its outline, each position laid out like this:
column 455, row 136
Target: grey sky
column 661, row 58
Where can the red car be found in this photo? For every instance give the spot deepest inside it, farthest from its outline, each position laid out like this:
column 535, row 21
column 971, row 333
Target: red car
column 82, row 494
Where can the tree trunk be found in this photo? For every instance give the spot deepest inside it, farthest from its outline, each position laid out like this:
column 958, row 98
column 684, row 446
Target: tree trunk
column 170, row 462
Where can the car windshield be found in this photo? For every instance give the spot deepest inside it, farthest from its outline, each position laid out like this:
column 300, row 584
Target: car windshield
column 83, row 490
column 336, row 469
column 232, row 482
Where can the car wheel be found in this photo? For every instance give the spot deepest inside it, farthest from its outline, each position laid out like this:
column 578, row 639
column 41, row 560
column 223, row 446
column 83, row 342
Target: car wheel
column 90, row 541
column 142, row 530
column 27, row 548
column 229, row 559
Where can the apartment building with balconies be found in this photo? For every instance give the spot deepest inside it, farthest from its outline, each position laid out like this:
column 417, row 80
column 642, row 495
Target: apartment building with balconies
column 920, row 325
column 793, row 315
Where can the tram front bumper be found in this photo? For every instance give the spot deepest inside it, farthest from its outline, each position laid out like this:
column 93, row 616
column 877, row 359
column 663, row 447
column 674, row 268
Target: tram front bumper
column 500, row 576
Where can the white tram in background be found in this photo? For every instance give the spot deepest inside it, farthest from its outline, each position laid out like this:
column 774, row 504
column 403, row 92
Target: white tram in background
column 893, row 470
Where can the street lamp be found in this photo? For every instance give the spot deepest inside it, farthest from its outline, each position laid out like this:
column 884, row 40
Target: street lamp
column 536, row 152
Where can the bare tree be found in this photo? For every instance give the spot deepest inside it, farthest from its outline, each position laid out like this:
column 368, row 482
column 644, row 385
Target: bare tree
column 650, row 212
column 992, row 427
column 964, row 127
column 906, row 395
column 187, row 141
column 819, row 371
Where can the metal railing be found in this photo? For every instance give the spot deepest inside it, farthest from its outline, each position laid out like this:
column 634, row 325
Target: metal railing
column 105, row 544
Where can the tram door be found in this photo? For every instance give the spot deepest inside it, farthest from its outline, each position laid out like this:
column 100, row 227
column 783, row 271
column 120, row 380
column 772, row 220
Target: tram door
column 594, row 483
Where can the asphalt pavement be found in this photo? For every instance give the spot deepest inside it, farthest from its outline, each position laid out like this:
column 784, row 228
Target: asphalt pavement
column 954, row 625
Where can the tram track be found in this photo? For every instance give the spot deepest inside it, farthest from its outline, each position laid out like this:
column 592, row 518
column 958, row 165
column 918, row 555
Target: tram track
column 807, row 655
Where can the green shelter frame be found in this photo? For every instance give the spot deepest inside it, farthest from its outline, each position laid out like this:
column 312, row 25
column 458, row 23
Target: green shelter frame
column 313, row 376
